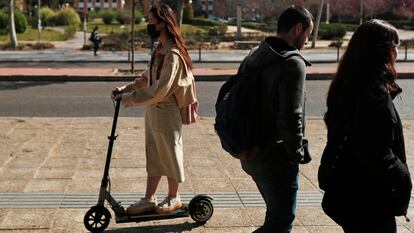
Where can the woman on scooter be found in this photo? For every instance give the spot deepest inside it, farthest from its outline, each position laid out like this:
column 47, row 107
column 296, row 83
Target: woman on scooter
column 165, row 88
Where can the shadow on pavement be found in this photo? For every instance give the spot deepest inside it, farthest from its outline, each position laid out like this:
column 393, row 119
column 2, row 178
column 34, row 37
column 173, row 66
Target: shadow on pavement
column 10, row 85
column 181, row 227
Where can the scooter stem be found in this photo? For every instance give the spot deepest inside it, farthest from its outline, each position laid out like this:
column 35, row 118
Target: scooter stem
column 111, row 138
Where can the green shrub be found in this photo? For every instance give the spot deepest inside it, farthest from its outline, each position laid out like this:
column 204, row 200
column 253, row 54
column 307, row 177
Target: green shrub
column 91, row 15
column 217, row 31
column 47, row 16
column 138, row 17
column 334, row 30
column 403, row 24
column 205, row 22
column 108, row 16
column 124, row 16
column 4, row 19
column 20, row 22
column 69, row 32
column 67, row 16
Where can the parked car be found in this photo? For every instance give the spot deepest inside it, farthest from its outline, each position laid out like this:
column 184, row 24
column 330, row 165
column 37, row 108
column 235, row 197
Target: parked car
column 215, row 18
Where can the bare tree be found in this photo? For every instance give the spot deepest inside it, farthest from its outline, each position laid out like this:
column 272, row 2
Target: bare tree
column 345, row 8
column 403, row 8
column 180, row 10
column 12, row 28
column 374, row 7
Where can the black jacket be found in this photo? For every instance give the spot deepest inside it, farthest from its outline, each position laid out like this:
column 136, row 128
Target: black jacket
column 372, row 178
column 283, row 79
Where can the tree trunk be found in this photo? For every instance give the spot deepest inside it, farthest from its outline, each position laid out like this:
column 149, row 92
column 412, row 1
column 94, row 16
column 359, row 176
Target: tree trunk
column 180, row 10
column 12, row 28
column 318, row 21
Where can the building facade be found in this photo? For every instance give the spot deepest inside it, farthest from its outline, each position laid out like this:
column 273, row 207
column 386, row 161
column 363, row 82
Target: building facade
column 99, row 4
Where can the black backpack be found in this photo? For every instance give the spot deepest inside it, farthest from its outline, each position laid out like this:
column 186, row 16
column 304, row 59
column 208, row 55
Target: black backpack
column 239, row 118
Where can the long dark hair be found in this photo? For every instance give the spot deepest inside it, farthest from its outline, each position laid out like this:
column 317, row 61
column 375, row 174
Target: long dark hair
column 165, row 14
column 367, row 61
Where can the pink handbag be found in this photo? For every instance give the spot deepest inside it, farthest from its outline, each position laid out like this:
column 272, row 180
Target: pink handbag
column 189, row 113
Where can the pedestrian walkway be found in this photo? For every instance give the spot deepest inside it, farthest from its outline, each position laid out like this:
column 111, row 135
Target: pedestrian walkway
column 317, row 72
column 51, row 170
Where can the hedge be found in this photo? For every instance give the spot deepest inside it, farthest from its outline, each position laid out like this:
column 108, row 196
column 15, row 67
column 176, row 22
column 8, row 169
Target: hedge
column 124, row 16
column 4, row 20
column 67, row 16
column 20, row 22
column 334, row 30
column 108, row 16
column 205, row 22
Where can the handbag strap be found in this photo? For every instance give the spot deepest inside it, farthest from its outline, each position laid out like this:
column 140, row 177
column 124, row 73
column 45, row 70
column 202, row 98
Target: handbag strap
column 187, row 71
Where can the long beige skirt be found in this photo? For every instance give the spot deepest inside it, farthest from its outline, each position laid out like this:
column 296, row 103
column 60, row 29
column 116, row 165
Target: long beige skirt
column 164, row 142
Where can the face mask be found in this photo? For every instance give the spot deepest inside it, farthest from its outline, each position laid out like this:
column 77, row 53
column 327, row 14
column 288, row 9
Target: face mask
column 152, row 31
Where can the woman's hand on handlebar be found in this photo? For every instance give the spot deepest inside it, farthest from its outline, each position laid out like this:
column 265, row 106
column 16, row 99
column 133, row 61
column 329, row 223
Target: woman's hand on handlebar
column 116, row 94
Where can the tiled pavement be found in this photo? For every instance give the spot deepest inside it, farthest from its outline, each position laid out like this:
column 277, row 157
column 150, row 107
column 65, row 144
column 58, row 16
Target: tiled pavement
column 65, row 156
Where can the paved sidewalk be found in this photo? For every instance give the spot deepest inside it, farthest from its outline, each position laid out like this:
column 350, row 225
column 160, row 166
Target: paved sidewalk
column 45, row 157
column 317, row 72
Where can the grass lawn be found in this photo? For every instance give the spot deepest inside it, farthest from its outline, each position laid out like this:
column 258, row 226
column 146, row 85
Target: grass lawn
column 188, row 29
column 32, row 35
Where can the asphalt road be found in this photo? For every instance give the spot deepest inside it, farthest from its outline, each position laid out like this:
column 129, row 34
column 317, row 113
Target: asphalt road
column 86, row 99
column 70, row 55
column 141, row 65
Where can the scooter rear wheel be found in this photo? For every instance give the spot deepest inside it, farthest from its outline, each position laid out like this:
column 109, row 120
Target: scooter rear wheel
column 97, row 219
column 201, row 210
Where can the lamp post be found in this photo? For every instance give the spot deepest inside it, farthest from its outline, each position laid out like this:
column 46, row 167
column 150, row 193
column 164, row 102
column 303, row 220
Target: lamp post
column 239, row 21
column 84, row 22
column 361, row 11
column 39, row 22
column 133, row 37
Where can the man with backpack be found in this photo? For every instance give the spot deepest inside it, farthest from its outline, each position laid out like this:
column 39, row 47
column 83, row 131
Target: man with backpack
column 281, row 68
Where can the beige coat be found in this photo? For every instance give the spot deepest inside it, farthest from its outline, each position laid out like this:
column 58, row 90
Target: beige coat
column 164, row 96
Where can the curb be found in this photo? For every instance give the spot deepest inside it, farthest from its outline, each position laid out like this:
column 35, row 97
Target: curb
column 146, row 61
column 128, row 78
column 123, row 78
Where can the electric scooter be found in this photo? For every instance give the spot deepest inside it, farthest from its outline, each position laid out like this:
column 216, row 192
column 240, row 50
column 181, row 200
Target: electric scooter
column 97, row 218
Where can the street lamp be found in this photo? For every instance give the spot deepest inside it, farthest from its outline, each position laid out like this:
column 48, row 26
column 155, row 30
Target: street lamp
column 39, row 22
column 84, row 22
column 361, row 11
column 133, row 38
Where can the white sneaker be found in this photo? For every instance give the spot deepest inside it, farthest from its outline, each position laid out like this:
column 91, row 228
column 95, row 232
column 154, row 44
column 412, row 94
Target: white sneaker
column 168, row 205
column 144, row 205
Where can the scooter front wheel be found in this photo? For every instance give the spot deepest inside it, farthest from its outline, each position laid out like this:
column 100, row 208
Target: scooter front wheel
column 97, row 219
column 201, row 210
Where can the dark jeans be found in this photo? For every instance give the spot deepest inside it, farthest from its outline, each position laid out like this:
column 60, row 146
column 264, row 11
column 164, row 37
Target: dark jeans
column 279, row 192
column 382, row 225
column 96, row 45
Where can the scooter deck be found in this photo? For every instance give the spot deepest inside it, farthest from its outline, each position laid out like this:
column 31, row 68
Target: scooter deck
column 179, row 213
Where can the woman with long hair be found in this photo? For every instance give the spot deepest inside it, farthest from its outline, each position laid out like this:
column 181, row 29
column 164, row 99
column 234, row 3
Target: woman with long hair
column 363, row 169
column 165, row 87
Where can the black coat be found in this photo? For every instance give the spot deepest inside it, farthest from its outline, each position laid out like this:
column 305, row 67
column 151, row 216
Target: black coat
column 371, row 179
column 283, row 81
